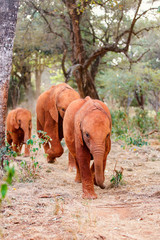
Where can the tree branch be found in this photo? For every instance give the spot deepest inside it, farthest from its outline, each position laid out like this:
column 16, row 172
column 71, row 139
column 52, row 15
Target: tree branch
column 63, row 65
column 132, row 25
column 102, row 51
column 136, row 60
column 41, row 11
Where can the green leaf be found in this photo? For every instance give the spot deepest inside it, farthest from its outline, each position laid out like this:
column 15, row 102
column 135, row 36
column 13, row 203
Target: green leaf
column 35, row 164
column 11, row 172
column 29, row 142
column 4, row 189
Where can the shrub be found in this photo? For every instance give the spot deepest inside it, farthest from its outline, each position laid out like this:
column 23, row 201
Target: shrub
column 119, row 122
column 142, row 121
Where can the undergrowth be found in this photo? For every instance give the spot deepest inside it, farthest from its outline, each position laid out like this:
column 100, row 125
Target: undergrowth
column 133, row 131
column 29, row 169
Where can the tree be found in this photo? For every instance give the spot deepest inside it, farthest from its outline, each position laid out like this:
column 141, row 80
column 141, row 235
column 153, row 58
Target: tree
column 114, row 33
column 8, row 18
column 32, row 52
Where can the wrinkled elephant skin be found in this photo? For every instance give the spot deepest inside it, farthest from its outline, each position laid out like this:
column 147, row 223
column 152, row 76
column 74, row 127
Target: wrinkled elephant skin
column 87, row 130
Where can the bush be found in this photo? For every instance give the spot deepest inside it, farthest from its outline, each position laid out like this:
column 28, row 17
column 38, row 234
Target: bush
column 119, row 122
column 142, row 121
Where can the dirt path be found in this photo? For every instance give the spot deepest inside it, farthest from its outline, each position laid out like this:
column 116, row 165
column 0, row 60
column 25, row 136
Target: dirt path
column 52, row 208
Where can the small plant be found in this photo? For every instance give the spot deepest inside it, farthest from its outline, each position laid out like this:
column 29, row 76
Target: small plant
column 5, row 153
column 29, row 169
column 117, row 177
column 10, row 172
column 132, row 140
column 139, row 142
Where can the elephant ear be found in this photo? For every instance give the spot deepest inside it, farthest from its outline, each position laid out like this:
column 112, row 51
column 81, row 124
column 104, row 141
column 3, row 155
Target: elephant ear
column 108, row 145
column 30, row 124
column 13, row 120
column 78, row 132
column 52, row 108
column 79, row 118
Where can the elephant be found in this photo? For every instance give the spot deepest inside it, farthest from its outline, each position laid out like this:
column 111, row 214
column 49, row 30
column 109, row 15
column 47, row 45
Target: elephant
column 51, row 107
column 19, row 127
column 87, row 130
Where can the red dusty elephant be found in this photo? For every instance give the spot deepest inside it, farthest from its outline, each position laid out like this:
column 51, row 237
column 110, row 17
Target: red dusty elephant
column 51, row 107
column 19, row 126
column 87, row 130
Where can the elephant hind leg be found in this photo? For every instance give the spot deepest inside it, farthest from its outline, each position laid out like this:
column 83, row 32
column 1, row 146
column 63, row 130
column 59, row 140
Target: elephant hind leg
column 71, row 162
column 78, row 175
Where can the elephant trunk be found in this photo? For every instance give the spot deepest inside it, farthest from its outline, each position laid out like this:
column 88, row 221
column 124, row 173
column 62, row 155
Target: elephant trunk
column 99, row 171
column 27, row 135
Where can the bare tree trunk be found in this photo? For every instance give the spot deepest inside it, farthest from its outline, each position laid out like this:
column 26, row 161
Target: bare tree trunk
column 84, row 80
column 39, row 68
column 38, row 82
column 140, row 97
column 8, row 18
column 85, row 83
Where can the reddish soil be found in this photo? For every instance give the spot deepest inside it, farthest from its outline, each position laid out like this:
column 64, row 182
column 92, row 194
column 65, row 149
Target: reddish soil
column 52, row 208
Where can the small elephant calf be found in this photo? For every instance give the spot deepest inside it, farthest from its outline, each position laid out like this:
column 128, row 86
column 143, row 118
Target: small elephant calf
column 87, row 130
column 19, row 126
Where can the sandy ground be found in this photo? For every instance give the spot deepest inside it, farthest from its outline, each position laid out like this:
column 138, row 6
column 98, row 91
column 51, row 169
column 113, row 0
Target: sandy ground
column 52, row 208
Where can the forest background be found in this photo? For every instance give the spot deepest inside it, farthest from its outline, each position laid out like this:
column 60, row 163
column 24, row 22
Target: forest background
column 105, row 49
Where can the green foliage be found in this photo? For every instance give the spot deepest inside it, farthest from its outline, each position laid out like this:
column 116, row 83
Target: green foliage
column 139, row 124
column 118, row 83
column 132, row 140
column 44, row 138
column 6, row 151
column 143, row 121
column 119, row 122
column 29, row 170
column 10, row 171
column 139, row 142
column 131, row 130
column 158, row 120
column 4, row 189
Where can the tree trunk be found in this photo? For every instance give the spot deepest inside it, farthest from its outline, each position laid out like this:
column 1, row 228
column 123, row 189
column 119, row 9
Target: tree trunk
column 38, row 82
column 85, row 82
column 39, row 68
column 140, row 97
column 8, row 18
